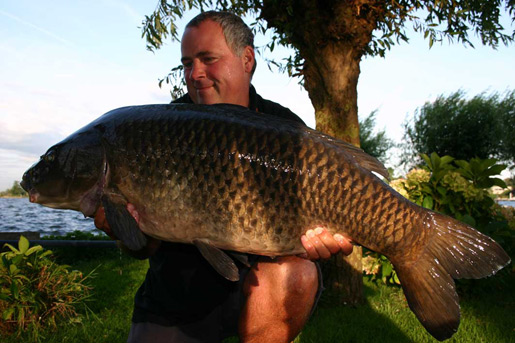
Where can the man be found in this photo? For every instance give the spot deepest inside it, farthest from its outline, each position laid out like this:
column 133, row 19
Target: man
column 183, row 299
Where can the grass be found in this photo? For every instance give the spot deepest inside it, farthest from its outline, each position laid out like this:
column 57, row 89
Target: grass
column 385, row 317
column 487, row 308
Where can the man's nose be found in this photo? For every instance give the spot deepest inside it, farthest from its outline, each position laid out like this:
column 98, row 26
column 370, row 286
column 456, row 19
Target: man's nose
column 197, row 71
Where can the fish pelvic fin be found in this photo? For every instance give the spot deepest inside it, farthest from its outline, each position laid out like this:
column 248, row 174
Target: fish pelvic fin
column 122, row 223
column 218, row 259
column 454, row 251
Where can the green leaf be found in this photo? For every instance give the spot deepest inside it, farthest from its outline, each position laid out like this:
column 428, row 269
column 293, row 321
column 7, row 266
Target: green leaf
column 428, row 202
column 396, row 279
column 13, row 249
column 23, row 244
column 446, row 159
column 441, row 190
column 13, row 269
column 468, row 220
column 6, row 262
column 499, row 182
column 33, row 250
column 15, row 291
column 8, row 313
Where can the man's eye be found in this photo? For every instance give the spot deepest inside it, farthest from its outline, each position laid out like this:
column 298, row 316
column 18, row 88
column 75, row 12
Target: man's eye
column 209, row 60
column 187, row 65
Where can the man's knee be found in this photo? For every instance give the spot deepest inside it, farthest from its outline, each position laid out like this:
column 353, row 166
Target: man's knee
column 280, row 296
column 289, row 275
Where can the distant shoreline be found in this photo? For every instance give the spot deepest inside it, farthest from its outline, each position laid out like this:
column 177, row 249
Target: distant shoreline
column 13, row 196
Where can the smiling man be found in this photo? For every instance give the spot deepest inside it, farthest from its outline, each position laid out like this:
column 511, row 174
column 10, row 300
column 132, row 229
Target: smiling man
column 182, row 298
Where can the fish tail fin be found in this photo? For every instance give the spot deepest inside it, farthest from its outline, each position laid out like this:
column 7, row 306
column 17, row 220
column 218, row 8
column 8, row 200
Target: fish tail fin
column 454, row 251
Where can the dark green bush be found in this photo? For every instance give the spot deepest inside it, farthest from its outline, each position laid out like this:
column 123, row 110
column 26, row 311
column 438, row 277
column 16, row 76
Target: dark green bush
column 36, row 293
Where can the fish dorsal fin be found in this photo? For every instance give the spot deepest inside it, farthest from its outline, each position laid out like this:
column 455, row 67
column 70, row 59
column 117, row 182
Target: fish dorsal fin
column 362, row 158
column 220, row 261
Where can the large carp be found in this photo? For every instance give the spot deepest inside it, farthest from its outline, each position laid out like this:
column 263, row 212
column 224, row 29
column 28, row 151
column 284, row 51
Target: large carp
column 224, row 177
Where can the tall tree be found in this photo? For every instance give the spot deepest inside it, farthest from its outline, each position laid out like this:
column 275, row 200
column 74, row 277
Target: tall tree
column 373, row 142
column 329, row 39
column 482, row 126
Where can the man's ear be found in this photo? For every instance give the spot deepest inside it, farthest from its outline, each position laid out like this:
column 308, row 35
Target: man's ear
column 248, row 59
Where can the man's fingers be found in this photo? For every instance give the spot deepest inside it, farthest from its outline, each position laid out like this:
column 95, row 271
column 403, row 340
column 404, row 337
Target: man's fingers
column 100, row 219
column 328, row 241
column 316, row 239
column 133, row 212
column 344, row 244
column 311, row 251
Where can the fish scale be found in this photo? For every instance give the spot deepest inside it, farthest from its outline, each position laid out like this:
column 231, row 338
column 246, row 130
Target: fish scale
column 224, row 177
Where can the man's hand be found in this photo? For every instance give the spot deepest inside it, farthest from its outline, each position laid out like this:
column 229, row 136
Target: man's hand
column 321, row 244
column 102, row 224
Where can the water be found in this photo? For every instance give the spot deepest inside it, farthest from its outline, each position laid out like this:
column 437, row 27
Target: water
column 21, row 215
column 506, row 203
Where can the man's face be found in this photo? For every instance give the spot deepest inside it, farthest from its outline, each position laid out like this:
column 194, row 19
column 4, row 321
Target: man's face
column 214, row 73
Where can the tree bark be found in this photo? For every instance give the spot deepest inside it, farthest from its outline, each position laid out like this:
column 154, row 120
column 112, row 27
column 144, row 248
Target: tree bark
column 331, row 79
column 331, row 37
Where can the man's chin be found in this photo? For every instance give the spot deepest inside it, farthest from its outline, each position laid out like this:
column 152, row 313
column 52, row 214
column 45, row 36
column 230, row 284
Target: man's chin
column 205, row 96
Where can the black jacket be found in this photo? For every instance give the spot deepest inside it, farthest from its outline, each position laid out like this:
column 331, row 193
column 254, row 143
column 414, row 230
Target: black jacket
column 180, row 285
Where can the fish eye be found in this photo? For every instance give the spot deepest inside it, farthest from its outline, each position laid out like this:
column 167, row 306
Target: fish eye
column 49, row 156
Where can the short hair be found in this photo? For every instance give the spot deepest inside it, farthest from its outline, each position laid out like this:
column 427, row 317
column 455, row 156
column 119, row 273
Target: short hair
column 237, row 34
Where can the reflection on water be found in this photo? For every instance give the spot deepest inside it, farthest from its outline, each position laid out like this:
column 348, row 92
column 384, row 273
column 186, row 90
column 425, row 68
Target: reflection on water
column 21, row 215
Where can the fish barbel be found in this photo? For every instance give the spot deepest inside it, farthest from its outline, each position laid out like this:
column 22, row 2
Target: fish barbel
column 224, row 177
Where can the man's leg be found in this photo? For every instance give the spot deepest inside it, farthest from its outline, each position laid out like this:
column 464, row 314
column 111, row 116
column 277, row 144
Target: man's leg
column 280, row 294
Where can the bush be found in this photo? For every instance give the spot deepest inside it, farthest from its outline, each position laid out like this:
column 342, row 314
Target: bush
column 459, row 189
column 36, row 293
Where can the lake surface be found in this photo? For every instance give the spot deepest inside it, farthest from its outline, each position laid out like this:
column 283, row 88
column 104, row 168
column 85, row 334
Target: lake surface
column 507, row 203
column 20, row 215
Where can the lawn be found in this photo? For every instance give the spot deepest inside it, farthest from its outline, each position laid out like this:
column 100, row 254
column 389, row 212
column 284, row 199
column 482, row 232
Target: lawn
column 488, row 308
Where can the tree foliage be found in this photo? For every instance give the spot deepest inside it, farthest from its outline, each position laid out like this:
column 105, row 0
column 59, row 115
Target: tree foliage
column 464, row 128
column 436, row 20
column 14, row 191
column 374, row 143
column 329, row 38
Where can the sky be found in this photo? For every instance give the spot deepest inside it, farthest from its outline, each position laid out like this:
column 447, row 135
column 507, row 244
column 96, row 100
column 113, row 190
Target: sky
column 64, row 63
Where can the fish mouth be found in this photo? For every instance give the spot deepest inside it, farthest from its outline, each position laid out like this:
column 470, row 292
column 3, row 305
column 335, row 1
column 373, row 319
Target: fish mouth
column 33, row 195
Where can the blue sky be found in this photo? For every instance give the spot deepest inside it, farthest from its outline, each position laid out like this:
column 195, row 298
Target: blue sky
column 64, row 63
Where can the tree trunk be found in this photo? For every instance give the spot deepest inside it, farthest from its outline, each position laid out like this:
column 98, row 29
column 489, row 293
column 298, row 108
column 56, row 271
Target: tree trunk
column 331, row 37
column 331, row 78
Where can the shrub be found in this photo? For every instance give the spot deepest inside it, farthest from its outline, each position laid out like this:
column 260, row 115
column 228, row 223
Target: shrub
column 459, row 189
column 36, row 293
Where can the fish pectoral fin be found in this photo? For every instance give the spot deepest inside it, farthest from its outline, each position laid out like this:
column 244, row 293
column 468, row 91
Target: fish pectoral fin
column 122, row 224
column 241, row 257
column 220, row 261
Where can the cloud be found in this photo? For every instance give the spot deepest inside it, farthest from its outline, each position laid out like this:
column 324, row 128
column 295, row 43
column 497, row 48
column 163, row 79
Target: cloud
column 32, row 144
